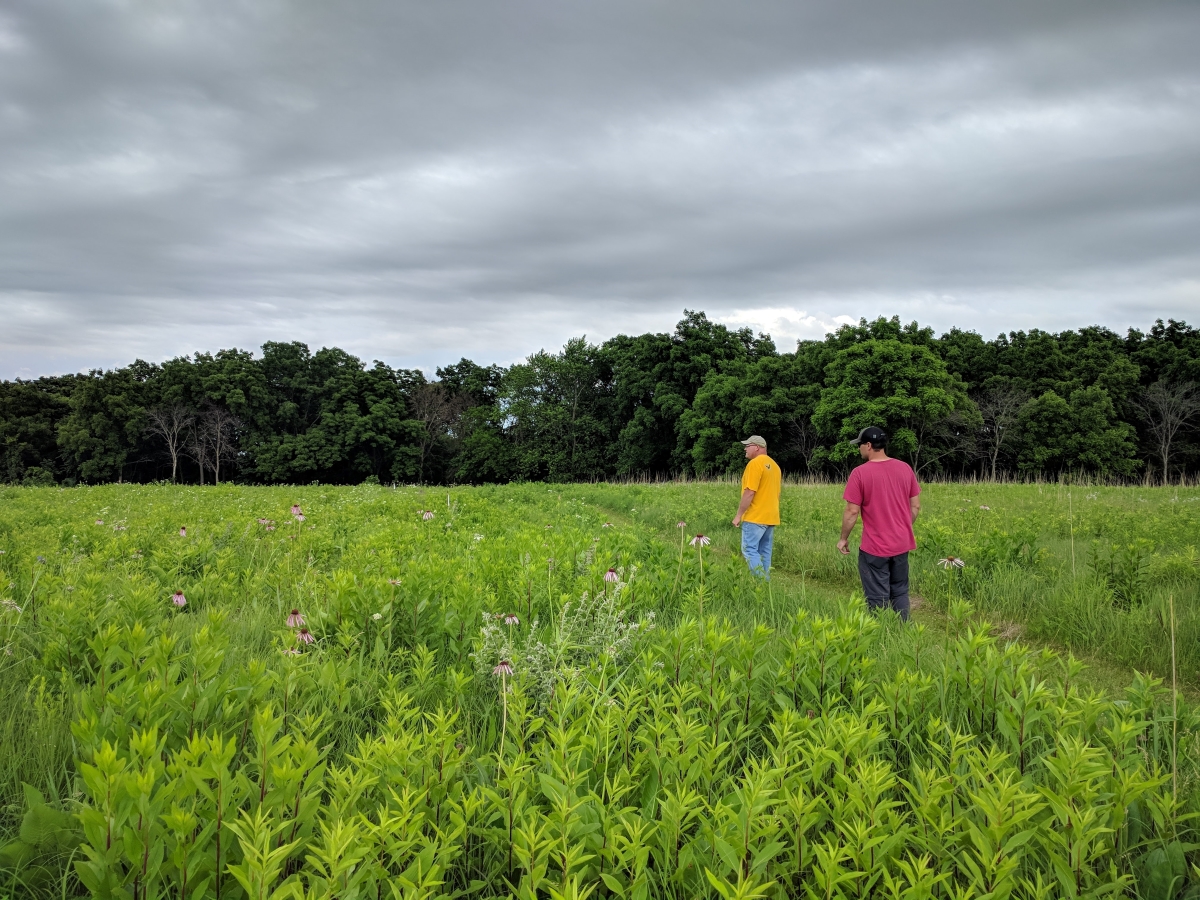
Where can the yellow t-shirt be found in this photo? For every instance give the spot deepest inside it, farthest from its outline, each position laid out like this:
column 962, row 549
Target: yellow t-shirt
column 763, row 477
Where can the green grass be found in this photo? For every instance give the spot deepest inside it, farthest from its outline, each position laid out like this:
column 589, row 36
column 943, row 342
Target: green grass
column 98, row 652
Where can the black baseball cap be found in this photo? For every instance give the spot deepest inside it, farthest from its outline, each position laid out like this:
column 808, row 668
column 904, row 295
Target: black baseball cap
column 870, row 435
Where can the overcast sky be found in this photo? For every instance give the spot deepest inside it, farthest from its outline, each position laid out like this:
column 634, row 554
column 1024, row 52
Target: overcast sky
column 419, row 181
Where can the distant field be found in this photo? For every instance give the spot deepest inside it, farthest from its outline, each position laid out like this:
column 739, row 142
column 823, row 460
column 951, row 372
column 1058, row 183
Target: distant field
column 543, row 690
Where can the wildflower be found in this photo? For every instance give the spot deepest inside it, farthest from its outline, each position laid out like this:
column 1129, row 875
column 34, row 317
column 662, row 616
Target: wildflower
column 300, row 517
column 304, row 636
column 478, row 537
column 611, row 575
column 394, row 582
column 376, row 616
column 270, row 528
column 681, row 524
column 9, row 606
column 985, row 507
column 99, row 521
column 607, row 525
column 427, row 515
column 511, row 619
column 951, row 562
column 178, row 599
column 504, row 668
column 183, row 531
column 549, row 526
column 700, row 540
column 292, row 651
column 296, row 511
column 295, row 619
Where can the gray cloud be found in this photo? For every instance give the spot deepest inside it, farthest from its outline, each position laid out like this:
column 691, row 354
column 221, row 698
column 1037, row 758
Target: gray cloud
column 416, row 181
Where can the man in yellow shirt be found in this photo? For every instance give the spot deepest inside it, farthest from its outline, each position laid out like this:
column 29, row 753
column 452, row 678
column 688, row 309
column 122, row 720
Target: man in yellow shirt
column 758, row 513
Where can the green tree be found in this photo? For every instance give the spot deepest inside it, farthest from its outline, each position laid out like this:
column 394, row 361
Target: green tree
column 901, row 387
column 1082, row 434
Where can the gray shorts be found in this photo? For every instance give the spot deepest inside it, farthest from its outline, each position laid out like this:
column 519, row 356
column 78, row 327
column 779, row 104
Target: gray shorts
column 885, row 582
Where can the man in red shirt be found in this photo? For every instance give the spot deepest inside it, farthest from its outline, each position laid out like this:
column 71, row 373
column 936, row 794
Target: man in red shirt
column 885, row 493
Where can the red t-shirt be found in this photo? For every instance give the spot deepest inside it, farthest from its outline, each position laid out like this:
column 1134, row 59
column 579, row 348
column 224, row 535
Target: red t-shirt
column 883, row 489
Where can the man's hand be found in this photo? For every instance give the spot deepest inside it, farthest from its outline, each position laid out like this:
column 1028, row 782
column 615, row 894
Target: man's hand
column 747, row 499
column 849, row 520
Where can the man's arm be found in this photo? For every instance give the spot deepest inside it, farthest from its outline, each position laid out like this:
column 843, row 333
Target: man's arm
column 914, row 507
column 747, row 499
column 849, row 520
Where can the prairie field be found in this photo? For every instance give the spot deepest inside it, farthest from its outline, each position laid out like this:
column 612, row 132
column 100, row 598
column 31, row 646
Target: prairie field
column 554, row 691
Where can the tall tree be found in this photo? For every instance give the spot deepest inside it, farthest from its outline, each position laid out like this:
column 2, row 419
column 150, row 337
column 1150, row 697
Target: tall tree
column 172, row 423
column 999, row 409
column 1167, row 409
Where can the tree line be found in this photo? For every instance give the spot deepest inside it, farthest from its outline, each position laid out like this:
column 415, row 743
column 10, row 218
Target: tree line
column 1026, row 404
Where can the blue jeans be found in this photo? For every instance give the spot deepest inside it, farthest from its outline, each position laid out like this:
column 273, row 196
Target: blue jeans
column 756, row 547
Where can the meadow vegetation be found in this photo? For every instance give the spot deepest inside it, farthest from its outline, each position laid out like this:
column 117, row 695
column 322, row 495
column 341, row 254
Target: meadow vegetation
column 548, row 691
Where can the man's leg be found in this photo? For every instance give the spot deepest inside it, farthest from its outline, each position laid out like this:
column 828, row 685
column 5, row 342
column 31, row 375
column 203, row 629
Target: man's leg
column 751, row 535
column 898, row 586
column 873, row 571
column 766, row 545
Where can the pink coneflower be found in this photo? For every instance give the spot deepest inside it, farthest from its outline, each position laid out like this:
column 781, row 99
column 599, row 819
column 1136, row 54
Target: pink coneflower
column 700, row 540
column 681, row 524
column 295, row 619
column 607, row 525
column 427, row 515
column 99, row 521
column 299, row 517
column 611, row 575
column 511, row 619
column 270, row 528
column 394, row 582
column 951, row 562
column 296, row 511
column 304, row 636
column 504, row 668
column 183, row 531
column 178, row 599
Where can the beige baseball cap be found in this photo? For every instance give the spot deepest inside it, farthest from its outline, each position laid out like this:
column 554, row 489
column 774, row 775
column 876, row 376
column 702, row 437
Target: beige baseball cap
column 756, row 439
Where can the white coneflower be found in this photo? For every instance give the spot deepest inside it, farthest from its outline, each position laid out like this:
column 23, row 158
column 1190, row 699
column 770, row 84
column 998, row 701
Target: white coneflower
column 951, row 562
column 611, row 575
column 427, row 515
column 295, row 619
column 503, row 668
column 511, row 619
column 178, row 599
column 700, row 540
